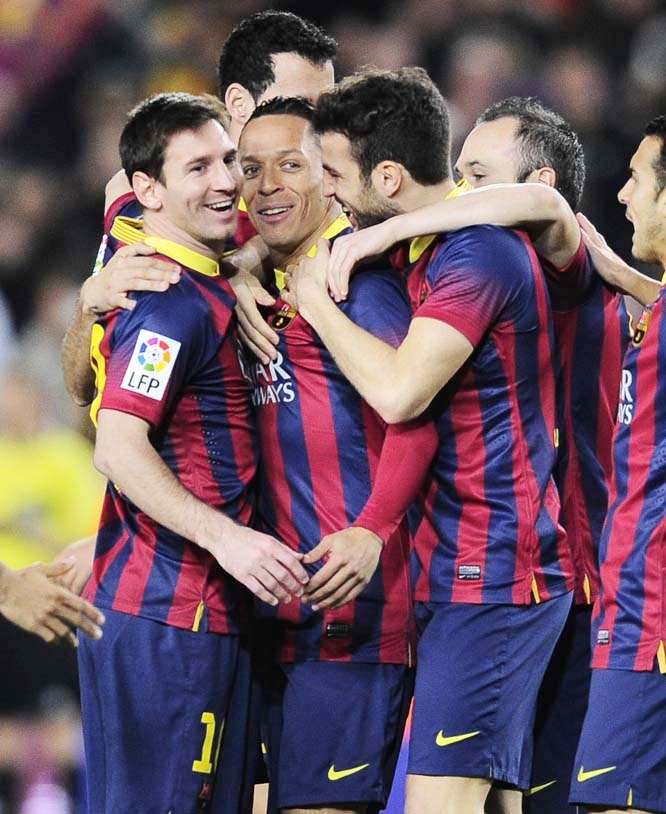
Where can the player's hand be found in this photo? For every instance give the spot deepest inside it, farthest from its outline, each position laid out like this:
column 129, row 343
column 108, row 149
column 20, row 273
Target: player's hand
column 255, row 332
column 79, row 556
column 306, row 279
column 351, row 559
column 32, row 598
column 348, row 250
column 268, row 568
column 607, row 263
column 132, row 268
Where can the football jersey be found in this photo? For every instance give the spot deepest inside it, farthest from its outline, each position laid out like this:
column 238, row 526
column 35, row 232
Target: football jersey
column 174, row 362
column 488, row 530
column 629, row 624
column 320, row 445
column 592, row 333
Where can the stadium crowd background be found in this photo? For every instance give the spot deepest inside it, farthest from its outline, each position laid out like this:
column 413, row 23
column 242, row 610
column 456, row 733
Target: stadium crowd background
column 69, row 72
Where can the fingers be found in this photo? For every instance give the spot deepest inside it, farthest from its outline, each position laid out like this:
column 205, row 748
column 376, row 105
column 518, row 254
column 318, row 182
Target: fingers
column 56, row 569
column 316, row 553
column 79, row 613
column 335, row 590
column 338, row 271
column 257, row 341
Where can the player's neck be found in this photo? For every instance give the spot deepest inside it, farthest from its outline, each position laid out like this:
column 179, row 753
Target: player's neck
column 418, row 195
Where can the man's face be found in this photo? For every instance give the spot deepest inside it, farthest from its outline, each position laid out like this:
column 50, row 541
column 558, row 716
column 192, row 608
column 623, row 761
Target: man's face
column 645, row 208
column 283, row 180
column 364, row 203
column 296, row 76
column 199, row 187
column 490, row 154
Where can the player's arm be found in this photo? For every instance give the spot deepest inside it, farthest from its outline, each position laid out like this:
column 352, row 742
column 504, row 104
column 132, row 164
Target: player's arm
column 614, row 270
column 352, row 554
column 399, row 383
column 132, row 268
column 80, row 555
column 33, row 599
column 124, row 454
column 538, row 209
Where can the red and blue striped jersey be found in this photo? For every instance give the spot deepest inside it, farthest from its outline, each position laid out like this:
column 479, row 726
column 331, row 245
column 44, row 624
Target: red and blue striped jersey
column 592, row 332
column 321, row 444
column 488, row 531
column 174, row 361
column 629, row 623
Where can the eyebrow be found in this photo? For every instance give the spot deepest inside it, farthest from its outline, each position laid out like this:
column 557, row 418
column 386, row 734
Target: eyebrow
column 279, row 154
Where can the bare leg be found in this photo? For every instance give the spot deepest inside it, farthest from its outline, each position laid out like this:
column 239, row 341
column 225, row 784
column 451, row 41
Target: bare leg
column 445, row 795
column 504, row 801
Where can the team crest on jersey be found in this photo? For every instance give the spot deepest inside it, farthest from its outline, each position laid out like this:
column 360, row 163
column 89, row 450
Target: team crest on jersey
column 641, row 327
column 283, row 318
column 150, row 367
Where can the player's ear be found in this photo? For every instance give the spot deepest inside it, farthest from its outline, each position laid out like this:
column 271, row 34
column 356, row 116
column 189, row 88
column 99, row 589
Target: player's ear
column 239, row 102
column 546, row 175
column 388, row 177
column 146, row 190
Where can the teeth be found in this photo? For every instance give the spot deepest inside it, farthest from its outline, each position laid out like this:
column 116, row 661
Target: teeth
column 220, row 207
column 278, row 210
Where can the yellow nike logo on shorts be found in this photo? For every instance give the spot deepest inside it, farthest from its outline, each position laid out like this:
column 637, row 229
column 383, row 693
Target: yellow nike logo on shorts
column 444, row 740
column 334, row 774
column 537, row 789
column 583, row 775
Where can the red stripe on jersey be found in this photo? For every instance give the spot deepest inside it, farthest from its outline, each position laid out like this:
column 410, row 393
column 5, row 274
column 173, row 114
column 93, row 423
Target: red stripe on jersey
column 101, row 565
column 136, row 573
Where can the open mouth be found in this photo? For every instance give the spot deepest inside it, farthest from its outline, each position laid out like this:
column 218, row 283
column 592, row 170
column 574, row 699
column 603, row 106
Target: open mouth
column 274, row 213
column 221, row 206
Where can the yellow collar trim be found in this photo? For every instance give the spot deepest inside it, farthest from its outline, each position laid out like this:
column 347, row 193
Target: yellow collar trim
column 128, row 230
column 242, row 206
column 339, row 225
column 419, row 244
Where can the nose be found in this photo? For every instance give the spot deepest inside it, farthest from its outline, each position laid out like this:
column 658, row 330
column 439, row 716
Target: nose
column 623, row 194
column 269, row 181
column 328, row 187
column 226, row 177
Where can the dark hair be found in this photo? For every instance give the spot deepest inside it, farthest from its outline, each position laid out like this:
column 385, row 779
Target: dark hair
column 284, row 106
column 151, row 124
column 390, row 115
column 247, row 54
column 545, row 140
column 657, row 127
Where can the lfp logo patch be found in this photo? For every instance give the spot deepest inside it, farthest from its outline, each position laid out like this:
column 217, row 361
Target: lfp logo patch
column 150, row 368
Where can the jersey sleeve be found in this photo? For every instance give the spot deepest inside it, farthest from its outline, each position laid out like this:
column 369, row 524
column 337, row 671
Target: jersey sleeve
column 126, row 205
column 155, row 350
column 473, row 279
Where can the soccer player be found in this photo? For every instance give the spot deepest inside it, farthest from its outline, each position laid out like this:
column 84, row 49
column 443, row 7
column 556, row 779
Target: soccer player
column 32, row 599
column 621, row 755
column 270, row 53
column 175, row 437
column 495, row 580
column 519, row 140
column 329, row 462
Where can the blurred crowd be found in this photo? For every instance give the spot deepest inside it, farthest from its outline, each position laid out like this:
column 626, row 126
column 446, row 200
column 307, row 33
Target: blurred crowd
column 69, row 72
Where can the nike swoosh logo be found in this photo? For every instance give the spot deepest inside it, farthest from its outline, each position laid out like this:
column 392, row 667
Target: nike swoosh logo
column 334, row 774
column 583, row 775
column 443, row 740
column 537, row 789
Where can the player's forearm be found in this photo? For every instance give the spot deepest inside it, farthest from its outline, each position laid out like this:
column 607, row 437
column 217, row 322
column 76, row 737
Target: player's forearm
column 78, row 374
column 409, row 449
column 637, row 285
column 254, row 257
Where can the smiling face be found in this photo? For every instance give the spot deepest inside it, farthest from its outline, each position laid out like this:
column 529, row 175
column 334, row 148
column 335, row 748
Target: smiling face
column 197, row 192
column 283, row 182
column 366, row 206
column 646, row 205
column 490, row 154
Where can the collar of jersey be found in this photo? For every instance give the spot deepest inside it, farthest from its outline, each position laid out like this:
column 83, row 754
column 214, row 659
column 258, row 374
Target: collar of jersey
column 128, row 230
column 419, row 244
column 339, row 225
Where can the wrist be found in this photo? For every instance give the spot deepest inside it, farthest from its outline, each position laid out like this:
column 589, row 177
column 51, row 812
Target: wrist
column 86, row 304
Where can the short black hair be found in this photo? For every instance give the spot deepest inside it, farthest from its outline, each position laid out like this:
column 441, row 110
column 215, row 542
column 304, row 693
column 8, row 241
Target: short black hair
column 390, row 115
column 657, row 127
column 284, row 106
column 151, row 124
column 545, row 139
column 247, row 54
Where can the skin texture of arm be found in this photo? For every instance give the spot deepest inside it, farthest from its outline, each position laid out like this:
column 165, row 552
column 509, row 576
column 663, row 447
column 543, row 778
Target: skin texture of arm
column 32, row 598
column 614, row 270
column 538, row 209
column 80, row 555
column 399, row 383
column 124, row 454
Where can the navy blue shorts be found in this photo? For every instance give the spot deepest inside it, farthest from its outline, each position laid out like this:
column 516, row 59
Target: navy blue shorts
column 165, row 717
column 560, row 712
column 333, row 732
column 621, row 758
column 479, row 668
